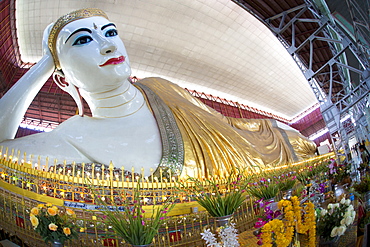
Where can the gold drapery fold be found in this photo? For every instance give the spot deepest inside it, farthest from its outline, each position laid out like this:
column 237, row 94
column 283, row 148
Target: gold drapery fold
column 218, row 145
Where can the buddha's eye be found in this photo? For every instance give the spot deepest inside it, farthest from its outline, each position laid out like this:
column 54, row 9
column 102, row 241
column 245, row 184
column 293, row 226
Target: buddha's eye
column 82, row 40
column 111, row 33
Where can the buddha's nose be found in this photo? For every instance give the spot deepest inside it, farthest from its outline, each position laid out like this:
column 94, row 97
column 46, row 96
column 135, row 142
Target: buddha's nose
column 108, row 47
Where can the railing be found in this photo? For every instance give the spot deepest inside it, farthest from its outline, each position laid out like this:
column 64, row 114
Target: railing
column 23, row 186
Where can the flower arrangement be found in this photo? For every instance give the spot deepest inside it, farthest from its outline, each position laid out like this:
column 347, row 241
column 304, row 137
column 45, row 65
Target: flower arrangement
column 287, row 181
column 280, row 232
column 333, row 221
column 52, row 224
column 228, row 237
column 265, row 217
column 340, row 173
column 218, row 199
column 131, row 223
column 363, row 186
column 264, row 189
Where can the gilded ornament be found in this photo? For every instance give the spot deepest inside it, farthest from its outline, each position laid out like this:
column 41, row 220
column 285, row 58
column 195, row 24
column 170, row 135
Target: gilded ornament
column 63, row 21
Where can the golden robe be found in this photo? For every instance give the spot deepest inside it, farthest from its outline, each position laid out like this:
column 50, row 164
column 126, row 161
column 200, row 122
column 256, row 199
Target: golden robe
column 213, row 144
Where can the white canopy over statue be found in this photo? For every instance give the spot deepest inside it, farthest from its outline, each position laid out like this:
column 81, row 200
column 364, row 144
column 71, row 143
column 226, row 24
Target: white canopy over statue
column 150, row 124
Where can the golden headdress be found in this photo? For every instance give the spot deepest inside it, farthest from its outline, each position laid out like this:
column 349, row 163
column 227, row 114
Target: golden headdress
column 64, row 20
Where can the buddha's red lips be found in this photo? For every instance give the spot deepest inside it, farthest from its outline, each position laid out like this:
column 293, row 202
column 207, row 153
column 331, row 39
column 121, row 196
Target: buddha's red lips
column 116, row 60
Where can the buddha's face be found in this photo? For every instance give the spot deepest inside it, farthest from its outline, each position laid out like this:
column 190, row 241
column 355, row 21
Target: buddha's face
column 92, row 56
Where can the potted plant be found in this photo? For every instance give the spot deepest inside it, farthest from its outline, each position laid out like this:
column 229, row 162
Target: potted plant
column 265, row 189
column 53, row 224
column 128, row 219
column 220, row 200
column 287, row 182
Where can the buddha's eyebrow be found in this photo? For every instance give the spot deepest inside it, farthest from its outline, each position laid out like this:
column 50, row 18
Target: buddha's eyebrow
column 78, row 30
column 107, row 25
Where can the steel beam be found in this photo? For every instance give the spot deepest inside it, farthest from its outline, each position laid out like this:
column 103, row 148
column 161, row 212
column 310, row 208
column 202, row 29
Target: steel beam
column 353, row 98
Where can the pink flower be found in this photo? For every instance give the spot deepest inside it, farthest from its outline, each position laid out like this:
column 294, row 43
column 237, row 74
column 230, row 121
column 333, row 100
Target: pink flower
column 143, row 223
column 260, row 223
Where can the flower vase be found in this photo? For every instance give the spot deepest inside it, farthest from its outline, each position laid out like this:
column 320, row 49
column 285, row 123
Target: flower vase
column 287, row 194
column 272, row 204
column 56, row 243
column 223, row 220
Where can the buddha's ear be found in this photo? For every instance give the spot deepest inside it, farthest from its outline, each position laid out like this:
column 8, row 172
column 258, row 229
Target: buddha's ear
column 59, row 79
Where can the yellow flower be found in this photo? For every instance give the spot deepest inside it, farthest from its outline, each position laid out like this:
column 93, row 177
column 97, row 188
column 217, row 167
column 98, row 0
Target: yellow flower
column 40, row 205
column 34, row 221
column 93, row 217
column 267, row 227
column 82, row 229
column 49, row 205
column 53, row 211
column 53, row 227
column 35, row 211
column 70, row 211
column 67, row 231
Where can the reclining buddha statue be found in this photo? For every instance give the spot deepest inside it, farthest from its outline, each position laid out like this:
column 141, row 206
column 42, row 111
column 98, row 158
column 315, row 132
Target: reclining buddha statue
column 149, row 124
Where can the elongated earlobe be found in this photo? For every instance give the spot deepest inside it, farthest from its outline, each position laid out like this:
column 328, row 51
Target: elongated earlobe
column 59, row 79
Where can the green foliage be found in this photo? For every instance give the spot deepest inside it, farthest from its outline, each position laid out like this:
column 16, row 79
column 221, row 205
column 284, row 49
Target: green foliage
column 287, row 183
column 53, row 224
column 264, row 189
column 218, row 199
column 343, row 171
column 128, row 221
column 363, row 186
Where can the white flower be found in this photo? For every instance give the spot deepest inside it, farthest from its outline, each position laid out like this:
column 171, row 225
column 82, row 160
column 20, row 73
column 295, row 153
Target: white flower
column 348, row 202
column 343, row 201
column 347, row 214
column 341, row 230
column 324, row 212
column 348, row 220
column 335, row 205
column 229, row 236
column 343, row 221
column 209, row 237
column 350, row 208
column 330, row 206
column 334, row 232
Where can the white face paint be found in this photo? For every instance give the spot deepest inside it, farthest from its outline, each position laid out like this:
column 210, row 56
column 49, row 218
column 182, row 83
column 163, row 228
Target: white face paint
column 92, row 55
